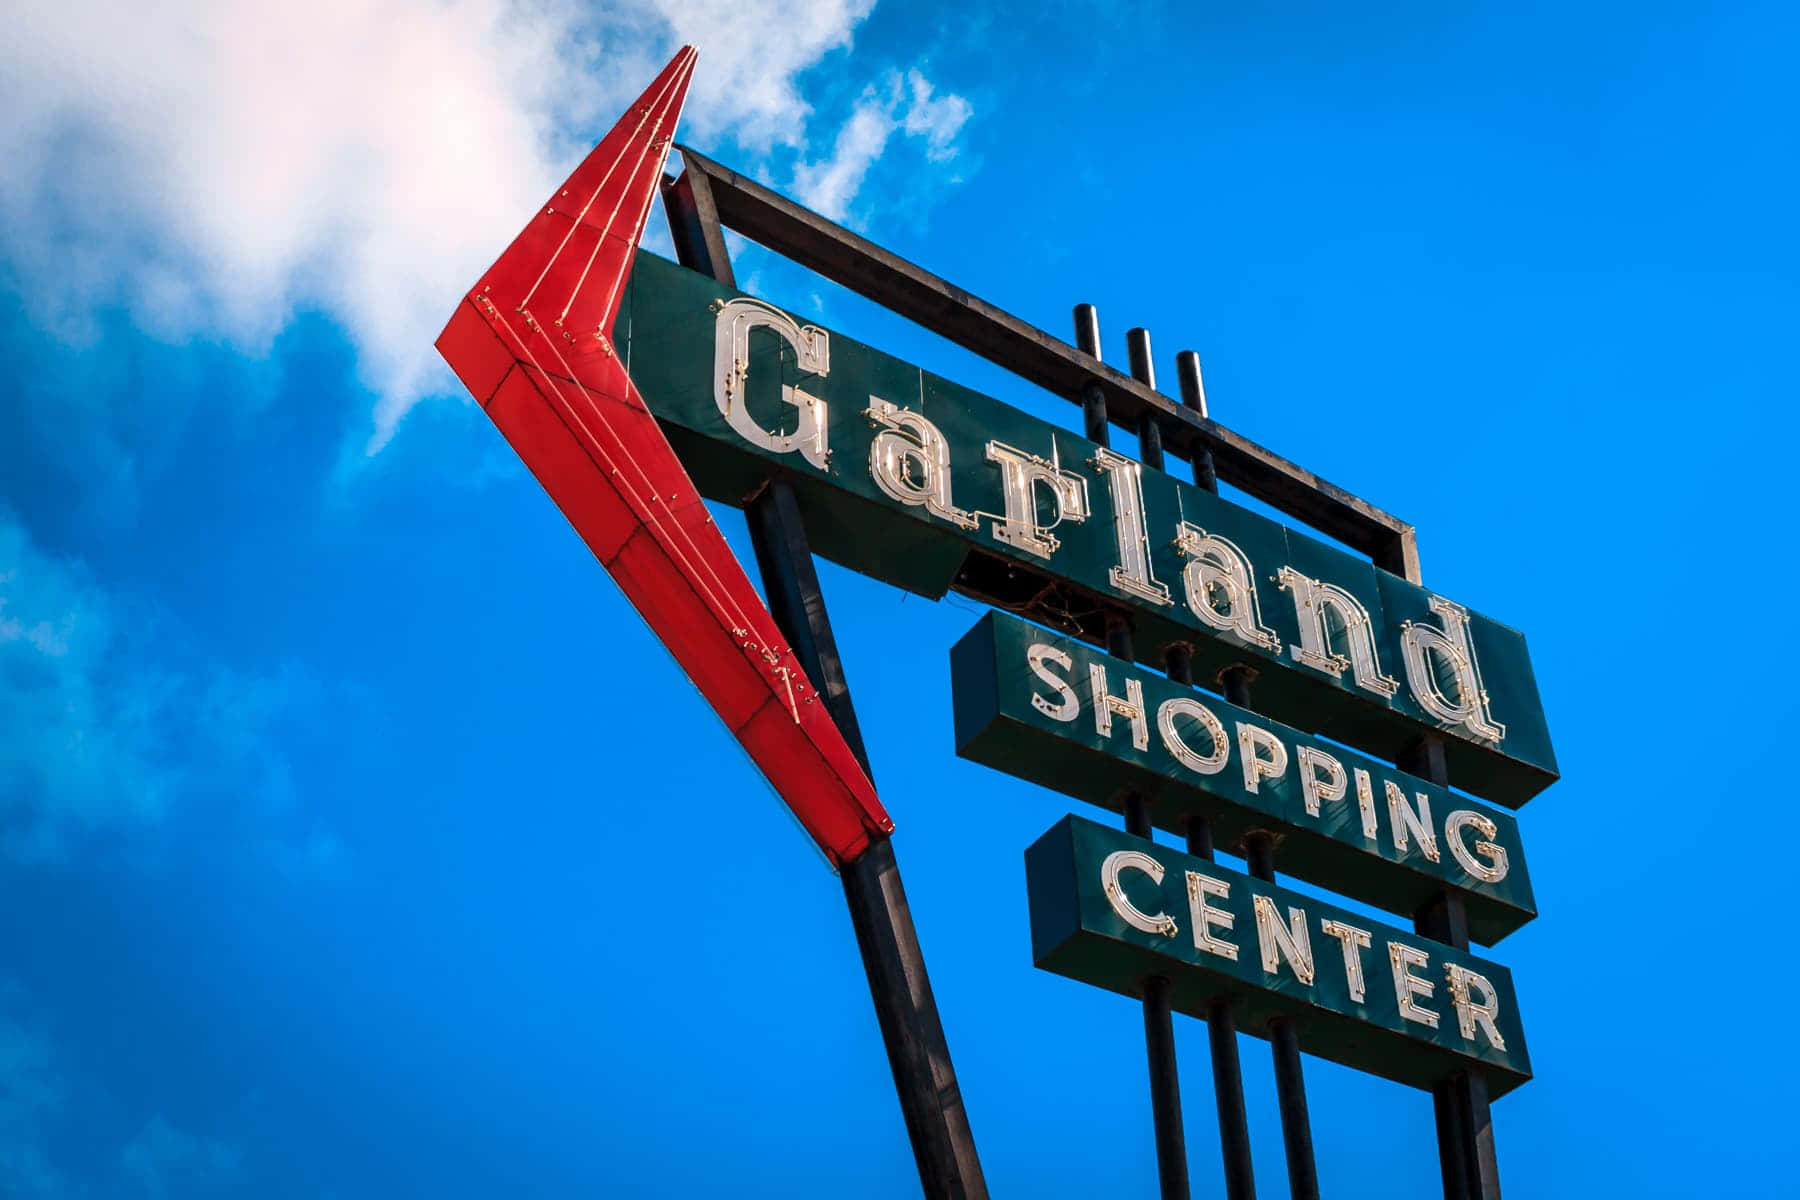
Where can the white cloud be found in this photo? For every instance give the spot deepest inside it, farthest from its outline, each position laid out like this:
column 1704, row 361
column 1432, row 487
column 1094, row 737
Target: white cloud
column 904, row 105
column 937, row 121
column 217, row 166
column 831, row 183
column 752, row 53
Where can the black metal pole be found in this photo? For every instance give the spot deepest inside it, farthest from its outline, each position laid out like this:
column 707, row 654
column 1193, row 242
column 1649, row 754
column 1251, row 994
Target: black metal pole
column 1159, row 1021
column 1296, row 1122
column 1087, row 334
column 1284, row 1040
column 1165, row 1090
column 1465, row 1127
column 1259, row 848
column 931, row 1101
column 1193, row 394
column 1228, row 1092
column 1221, row 1016
column 918, row 1052
column 1137, row 356
column 937, row 1124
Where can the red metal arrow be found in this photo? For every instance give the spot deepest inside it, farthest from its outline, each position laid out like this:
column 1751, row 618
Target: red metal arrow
column 531, row 344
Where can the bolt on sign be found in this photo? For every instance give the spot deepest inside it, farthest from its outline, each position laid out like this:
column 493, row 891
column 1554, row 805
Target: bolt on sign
column 1109, row 909
column 1059, row 713
column 920, row 482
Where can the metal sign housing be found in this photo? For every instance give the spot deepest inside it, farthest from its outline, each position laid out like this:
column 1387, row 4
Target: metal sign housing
column 929, row 485
column 910, row 478
column 1109, row 909
column 1056, row 712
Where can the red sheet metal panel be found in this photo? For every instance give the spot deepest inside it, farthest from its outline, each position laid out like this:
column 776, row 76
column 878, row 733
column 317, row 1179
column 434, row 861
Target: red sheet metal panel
column 531, row 343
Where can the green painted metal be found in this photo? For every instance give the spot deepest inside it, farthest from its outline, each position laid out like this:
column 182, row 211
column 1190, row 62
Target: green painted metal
column 668, row 330
column 1078, row 931
column 1010, row 717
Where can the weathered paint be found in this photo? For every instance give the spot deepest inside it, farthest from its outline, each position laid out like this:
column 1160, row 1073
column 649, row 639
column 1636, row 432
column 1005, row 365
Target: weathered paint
column 668, row 331
column 1010, row 717
column 1078, row 931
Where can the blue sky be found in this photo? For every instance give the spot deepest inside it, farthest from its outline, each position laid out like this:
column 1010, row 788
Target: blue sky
column 357, row 840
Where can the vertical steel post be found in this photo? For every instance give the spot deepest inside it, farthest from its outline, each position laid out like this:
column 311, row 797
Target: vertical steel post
column 1465, row 1127
column 1137, row 356
column 931, row 1102
column 1159, row 1021
column 1296, row 1122
column 1193, row 394
column 1284, row 1041
column 1221, row 1017
column 1087, row 333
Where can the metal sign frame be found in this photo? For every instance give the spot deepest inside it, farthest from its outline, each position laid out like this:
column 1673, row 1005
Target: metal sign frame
column 531, row 342
column 916, row 480
column 1384, row 838
column 707, row 198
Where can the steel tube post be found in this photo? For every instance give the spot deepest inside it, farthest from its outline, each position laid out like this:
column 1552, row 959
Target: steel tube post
column 1259, row 849
column 1221, row 1020
column 1137, row 354
column 1465, row 1128
column 1284, row 1041
column 1165, row 1090
column 1159, row 1021
column 1221, row 1017
column 937, row 1124
column 1193, row 394
column 918, row 1052
column 1087, row 336
column 1290, row 1076
column 1296, row 1122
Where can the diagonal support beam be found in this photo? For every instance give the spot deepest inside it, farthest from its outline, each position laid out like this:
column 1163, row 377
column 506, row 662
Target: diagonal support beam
column 931, row 1104
column 918, row 1052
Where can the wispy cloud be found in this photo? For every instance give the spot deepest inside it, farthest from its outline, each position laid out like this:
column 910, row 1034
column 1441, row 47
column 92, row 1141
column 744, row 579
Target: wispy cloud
column 752, row 55
column 937, row 119
column 34, row 1093
column 102, row 742
column 163, row 1161
column 903, row 104
column 80, row 753
column 46, row 1096
column 216, row 167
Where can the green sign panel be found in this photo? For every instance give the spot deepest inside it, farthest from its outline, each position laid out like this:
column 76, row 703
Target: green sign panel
column 925, row 484
column 1056, row 712
column 1110, row 909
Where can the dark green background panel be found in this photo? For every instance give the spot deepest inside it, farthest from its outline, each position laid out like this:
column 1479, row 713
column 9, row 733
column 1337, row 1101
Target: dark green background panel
column 996, row 725
column 667, row 330
column 1075, row 932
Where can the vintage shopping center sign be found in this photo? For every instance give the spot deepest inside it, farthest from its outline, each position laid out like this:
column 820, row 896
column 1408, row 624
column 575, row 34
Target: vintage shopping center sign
column 909, row 477
column 1059, row 713
column 1109, row 909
